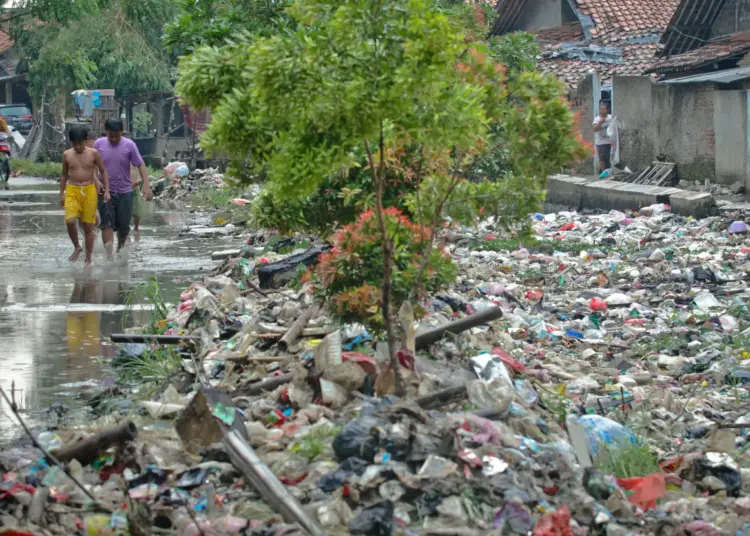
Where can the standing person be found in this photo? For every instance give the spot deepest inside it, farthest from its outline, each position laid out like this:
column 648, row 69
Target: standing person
column 604, row 142
column 118, row 154
column 78, row 194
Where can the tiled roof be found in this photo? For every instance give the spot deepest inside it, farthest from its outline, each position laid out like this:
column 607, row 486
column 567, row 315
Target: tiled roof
column 6, row 42
column 734, row 45
column 613, row 20
column 636, row 60
column 573, row 31
column 617, row 20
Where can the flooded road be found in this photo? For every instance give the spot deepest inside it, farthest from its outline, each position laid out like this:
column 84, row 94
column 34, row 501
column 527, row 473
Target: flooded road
column 55, row 319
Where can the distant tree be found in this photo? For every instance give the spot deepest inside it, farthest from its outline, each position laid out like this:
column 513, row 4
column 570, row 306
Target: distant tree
column 72, row 44
column 214, row 22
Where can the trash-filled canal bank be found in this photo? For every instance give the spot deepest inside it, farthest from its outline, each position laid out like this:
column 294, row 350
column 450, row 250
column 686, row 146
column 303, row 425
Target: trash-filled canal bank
column 591, row 380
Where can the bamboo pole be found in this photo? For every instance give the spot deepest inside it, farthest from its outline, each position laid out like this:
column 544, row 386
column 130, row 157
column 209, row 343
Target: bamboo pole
column 265, row 482
column 433, row 335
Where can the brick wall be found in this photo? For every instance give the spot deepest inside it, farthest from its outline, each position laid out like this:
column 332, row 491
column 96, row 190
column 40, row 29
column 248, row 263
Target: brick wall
column 676, row 121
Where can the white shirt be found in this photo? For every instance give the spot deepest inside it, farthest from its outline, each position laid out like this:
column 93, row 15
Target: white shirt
column 601, row 137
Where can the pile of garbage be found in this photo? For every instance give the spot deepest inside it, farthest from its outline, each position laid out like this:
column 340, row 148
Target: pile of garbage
column 179, row 182
column 733, row 192
column 590, row 380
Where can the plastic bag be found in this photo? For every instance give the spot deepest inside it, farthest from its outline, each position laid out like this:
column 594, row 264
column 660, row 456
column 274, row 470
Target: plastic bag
column 602, row 430
column 646, row 489
column 554, row 524
column 374, row 521
column 360, row 438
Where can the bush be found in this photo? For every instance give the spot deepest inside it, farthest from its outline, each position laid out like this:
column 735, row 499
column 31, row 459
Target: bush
column 349, row 277
column 27, row 168
column 336, row 202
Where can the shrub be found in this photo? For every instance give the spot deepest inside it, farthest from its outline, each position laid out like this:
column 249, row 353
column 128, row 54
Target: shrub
column 350, row 276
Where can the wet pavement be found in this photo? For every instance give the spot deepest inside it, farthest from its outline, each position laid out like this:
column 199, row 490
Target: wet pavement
column 55, row 319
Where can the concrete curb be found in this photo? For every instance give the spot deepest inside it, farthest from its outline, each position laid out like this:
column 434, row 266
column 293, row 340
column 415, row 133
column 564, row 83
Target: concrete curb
column 583, row 193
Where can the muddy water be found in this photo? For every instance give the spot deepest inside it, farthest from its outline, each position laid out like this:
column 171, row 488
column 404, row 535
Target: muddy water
column 55, row 319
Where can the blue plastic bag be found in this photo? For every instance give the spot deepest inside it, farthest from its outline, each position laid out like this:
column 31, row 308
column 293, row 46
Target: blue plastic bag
column 601, row 430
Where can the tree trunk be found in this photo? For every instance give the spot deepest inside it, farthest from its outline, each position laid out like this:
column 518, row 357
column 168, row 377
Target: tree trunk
column 386, row 296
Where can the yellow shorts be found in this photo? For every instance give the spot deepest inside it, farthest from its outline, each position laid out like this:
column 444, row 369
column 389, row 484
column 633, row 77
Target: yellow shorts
column 81, row 202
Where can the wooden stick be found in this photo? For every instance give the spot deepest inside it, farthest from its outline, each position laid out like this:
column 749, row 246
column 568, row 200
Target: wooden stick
column 88, row 450
column 50, row 457
column 268, row 485
column 257, row 358
column 146, row 338
column 266, row 385
column 441, row 396
column 296, row 328
column 433, row 335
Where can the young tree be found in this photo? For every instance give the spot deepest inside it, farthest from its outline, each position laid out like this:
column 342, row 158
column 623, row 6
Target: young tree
column 393, row 78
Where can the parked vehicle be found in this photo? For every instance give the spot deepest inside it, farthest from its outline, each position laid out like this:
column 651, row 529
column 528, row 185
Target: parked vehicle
column 5, row 152
column 17, row 115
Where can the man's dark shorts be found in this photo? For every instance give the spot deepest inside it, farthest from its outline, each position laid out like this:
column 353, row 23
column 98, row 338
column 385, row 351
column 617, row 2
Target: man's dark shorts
column 605, row 155
column 116, row 214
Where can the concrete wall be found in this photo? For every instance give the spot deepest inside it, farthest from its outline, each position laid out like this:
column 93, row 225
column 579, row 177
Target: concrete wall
column 730, row 125
column 676, row 121
column 585, row 108
column 540, row 14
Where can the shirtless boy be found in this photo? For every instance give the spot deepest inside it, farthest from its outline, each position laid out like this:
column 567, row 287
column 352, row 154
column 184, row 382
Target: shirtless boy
column 78, row 194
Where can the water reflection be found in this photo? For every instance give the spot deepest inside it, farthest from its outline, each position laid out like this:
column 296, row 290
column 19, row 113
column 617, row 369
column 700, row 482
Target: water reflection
column 49, row 353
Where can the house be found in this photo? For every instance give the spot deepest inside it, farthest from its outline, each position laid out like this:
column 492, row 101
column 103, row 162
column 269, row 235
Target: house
column 696, row 114
column 15, row 87
column 580, row 37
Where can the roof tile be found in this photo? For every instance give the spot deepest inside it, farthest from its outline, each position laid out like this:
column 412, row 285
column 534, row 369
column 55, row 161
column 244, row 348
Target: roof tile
column 732, row 45
column 636, row 60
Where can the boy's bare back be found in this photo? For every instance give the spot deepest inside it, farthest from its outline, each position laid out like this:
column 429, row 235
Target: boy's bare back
column 81, row 166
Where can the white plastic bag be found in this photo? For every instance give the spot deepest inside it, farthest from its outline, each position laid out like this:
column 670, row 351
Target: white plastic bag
column 613, row 132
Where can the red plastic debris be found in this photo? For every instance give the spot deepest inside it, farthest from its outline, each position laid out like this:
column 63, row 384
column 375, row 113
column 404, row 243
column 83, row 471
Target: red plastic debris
column 534, row 295
column 17, row 488
column 598, row 305
column 568, row 227
column 646, row 489
column 514, row 364
column 367, row 362
column 406, row 358
column 555, row 524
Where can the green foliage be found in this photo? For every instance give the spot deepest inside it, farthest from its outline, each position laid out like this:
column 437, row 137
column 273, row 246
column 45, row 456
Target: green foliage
column 286, row 108
column 149, row 292
column 518, row 51
column 213, row 22
column 627, row 461
column 316, row 442
column 350, row 276
column 47, row 170
column 143, row 123
column 155, row 365
column 339, row 199
column 474, row 19
column 293, row 109
column 105, row 44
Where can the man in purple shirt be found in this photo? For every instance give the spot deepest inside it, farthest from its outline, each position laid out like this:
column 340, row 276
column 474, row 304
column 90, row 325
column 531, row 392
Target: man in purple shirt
column 118, row 154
